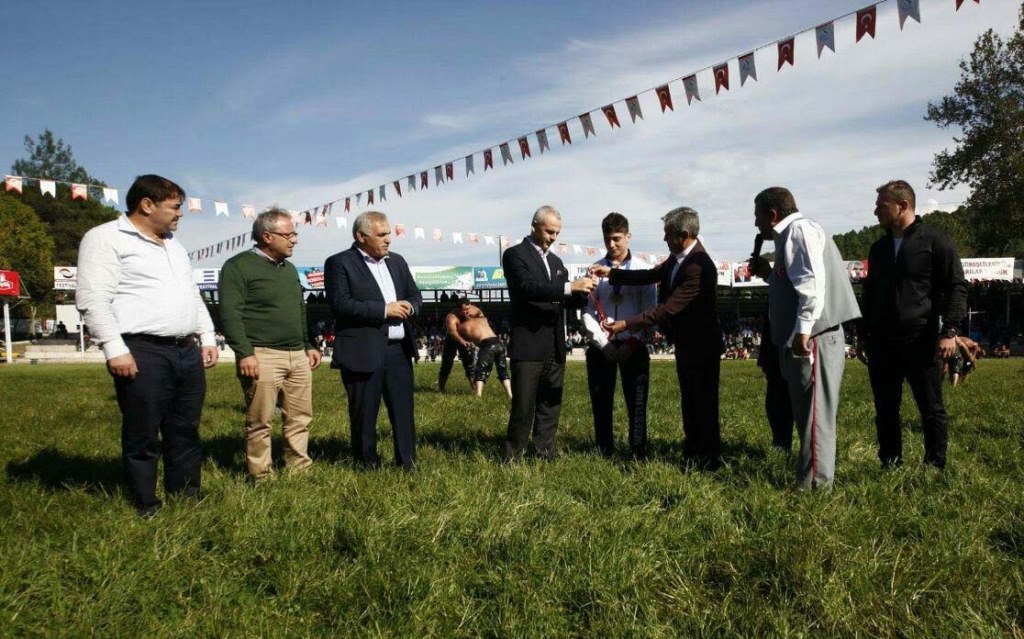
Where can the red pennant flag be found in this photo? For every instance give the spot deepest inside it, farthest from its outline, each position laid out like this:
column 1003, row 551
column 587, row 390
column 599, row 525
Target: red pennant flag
column 664, row 97
column 613, row 117
column 449, row 171
column 13, row 183
column 436, row 234
column 488, row 159
column 348, row 204
column 721, row 77
column 524, row 147
column 398, row 188
column 308, row 220
column 563, row 132
column 423, row 180
column 591, row 250
column 960, row 2
column 785, row 52
column 866, row 22
column 79, row 192
column 369, row 196
column 399, row 230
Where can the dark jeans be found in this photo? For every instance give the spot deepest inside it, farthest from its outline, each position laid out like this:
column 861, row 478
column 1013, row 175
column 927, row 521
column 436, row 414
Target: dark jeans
column 163, row 402
column 777, row 406
column 536, row 405
column 394, row 384
column 918, row 363
column 601, row 374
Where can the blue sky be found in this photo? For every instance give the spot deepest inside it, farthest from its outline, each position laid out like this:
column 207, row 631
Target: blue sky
column 267, row 103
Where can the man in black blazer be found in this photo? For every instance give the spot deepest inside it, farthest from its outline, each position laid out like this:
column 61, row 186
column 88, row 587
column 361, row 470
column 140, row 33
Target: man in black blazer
column 688, row 312
column 538, row 286
column 373, row 297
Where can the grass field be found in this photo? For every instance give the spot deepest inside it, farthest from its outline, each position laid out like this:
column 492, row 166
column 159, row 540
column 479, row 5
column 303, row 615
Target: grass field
column 468, row 547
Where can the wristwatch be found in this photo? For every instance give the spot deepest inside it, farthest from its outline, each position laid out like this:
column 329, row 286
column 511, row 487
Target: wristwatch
column 950, row 332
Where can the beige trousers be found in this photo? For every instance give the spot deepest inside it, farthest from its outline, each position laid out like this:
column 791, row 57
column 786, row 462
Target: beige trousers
column 284, row 376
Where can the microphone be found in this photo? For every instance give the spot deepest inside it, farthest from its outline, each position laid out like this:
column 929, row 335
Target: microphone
column 758, row 243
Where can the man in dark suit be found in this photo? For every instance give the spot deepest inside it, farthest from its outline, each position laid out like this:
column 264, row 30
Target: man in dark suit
column 687, row 310
column 373, row 296
column 538, row 286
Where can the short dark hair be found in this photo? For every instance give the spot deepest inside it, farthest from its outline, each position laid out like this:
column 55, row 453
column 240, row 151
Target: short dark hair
column 898, row 190
column 154, row 188
column 778, row 198
column 459, row 301
column 614, row 223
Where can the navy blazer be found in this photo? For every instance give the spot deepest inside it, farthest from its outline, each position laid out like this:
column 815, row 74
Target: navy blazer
column 360, row 329
column 538, row 303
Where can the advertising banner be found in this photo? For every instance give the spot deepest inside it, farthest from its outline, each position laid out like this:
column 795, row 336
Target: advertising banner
column 65, row 278
column 206, row 278
column 443, row 278
column 985, row 269
column 311, row 277
column 10, row 284
column 489, row 277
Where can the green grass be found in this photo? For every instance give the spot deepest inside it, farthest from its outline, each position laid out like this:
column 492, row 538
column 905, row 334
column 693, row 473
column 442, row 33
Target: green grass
column 465, row 546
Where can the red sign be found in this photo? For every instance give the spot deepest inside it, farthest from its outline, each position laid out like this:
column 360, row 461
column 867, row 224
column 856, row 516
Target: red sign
column 10, row 283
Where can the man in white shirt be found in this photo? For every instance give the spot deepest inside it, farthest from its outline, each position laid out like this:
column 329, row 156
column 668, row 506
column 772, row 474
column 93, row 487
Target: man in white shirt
column 142, row 306
column 809, row 298
column 625, row 352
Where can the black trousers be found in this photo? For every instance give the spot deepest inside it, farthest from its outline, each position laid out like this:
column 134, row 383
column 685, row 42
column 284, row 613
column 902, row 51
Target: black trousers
column 449, row 349
column 698, row 396
column 160, row 411
column 394, row 384
column 777, row 405
column 918, row 363
column 536, row 405
column 601, row 374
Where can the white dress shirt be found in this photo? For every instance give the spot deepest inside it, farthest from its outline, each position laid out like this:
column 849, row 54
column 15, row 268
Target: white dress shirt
column 625, row 302
column 804, row 256
column 547, row 267
column 382, row 276
column 129, row 283
column 679, row 261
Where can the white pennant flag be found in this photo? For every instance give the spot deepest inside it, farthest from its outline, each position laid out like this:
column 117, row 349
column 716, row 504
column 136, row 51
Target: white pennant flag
column 826, row 37
column 221, row 208
column 456, row 237
column 410, row 183
column 506, row 154
column 692, row 92
column 469, row 165
column 577, row 249
column 542, row 140
column 48, row 187
column 488, row 240
column 747, row 68
column 110, row 195
column 341, row 221
column 418, row 233
column 248, row 210
column 588, row 125
column 296, row 216
column 195, row 205
column 909, row 9
column 438, row 175
column 633, row 104
column 382, row 194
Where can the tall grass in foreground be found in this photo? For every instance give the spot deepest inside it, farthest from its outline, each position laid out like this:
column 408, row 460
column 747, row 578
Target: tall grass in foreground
column 581, row 546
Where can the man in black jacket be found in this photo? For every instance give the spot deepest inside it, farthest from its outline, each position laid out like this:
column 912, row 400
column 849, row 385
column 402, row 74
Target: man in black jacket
column 914, row 301
column 538, row 286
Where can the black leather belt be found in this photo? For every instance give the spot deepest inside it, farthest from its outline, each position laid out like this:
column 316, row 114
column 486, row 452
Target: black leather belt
column 163, row 340
column 829, row 330
column 394, row 342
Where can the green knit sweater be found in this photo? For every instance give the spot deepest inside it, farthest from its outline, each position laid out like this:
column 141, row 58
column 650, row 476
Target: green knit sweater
column 261, row 305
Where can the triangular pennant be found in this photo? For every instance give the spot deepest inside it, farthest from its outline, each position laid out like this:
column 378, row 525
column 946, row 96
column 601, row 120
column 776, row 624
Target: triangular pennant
column 369, row 197
column 692, row 92
column 399, row 230
column 633, row 106
column 221, row 208
column 563, row 132
column 505, row 243
column 79, row 192
column 410, row 183
column 382, row 194
column 866, row 22
column 721, row 77
column 473, row 238
column 248, row 210
column 48, row 187
column 449, row 171
column 359, row 199
column 747, row 68
column 296, row 217
column 488, row 240
column 418, row 233
column 613, row 118
column 576, row 249
column 591, row 250
column 348, row 204
column 664, row 98
column 825, row 35
column 786, row 52
column 437, row 235
column 329, row 208
column 488, row 159
column 195, row 205
column 563, row 248
column 506, row 154
column 423, row 180
column 341, row 221
column 438, row 175
column 321, row 217
column 588, row 125
column 307, row 217
column 13, row 183
column 542, row 140
column 456, row 237
column 960, row 2
column 469, row 165
column 398, row 187
column 110, row 195
column 909, row 9
column 524, row 147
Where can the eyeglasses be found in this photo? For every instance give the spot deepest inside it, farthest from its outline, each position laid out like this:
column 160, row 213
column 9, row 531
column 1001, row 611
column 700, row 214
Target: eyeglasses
column 288, row 236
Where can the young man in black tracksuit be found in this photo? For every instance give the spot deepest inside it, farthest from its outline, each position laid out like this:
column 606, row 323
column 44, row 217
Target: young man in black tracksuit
column 915, row 298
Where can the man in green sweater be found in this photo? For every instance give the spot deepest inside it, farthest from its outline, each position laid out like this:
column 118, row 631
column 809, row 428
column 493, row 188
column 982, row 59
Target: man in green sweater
column 264, row 321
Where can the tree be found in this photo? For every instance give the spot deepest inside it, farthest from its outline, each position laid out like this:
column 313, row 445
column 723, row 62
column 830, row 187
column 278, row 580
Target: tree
column 987, row 105
column 854, row 245
column 51, row 160
column 26, row 247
